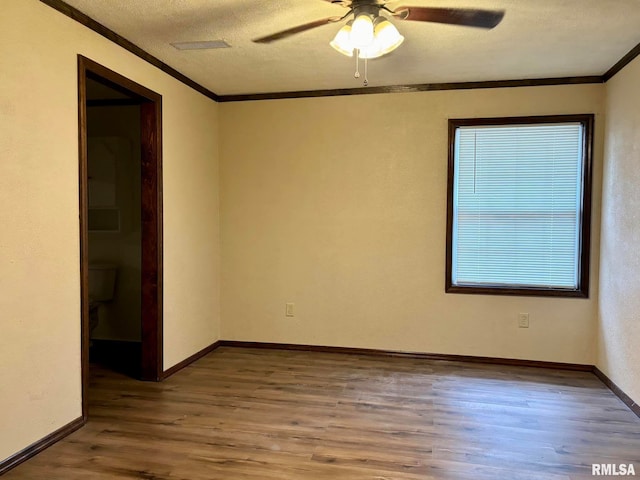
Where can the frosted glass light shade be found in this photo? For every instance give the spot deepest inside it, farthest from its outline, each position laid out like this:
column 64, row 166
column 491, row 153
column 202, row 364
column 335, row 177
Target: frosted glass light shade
column 386, row 39
column 387, row 36
column 362, row 31
column 342, row 41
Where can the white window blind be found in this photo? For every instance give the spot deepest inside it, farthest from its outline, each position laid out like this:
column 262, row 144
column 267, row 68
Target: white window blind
column 517, row 205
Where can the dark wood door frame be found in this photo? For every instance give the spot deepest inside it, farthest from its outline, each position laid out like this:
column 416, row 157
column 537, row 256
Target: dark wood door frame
column 151, row 214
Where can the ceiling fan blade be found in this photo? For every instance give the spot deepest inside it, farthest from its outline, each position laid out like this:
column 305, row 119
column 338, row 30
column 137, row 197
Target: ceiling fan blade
column 452, row 16
column 292, row 31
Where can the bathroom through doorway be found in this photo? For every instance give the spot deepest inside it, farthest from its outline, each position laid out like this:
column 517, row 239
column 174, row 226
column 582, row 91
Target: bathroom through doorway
column 120, row 224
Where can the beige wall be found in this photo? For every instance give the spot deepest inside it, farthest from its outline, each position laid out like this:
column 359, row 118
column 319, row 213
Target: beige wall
column 339, row 205
column 619, row 320
column 39, row 246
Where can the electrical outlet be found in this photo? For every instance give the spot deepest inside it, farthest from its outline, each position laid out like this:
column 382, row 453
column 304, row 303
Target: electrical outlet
column 523, row 320
column 289, row 309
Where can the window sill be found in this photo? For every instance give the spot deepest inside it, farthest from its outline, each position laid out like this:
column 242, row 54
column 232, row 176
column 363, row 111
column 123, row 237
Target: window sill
column 515, row 291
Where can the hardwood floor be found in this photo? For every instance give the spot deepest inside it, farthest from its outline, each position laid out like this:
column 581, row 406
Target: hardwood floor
column 271, row 414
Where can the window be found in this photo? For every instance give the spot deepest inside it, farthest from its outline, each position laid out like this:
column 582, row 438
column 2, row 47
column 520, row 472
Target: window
column 519, row 205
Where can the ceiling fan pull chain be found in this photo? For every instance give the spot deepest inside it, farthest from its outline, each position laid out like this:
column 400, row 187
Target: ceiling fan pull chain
column 366, row 77
column 357, row 55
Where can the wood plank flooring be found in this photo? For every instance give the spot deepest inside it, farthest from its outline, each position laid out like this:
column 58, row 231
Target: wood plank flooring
column 269, row 414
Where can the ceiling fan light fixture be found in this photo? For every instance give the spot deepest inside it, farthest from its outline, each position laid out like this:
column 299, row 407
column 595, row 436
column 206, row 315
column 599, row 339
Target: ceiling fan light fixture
column 371, row 35
column 342, row 41
column 362, row 34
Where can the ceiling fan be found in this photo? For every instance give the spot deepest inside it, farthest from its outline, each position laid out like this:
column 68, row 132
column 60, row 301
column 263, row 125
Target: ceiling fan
column 369, row 34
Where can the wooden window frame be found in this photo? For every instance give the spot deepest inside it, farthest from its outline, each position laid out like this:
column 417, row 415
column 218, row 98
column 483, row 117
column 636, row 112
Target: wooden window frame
column 582, row 290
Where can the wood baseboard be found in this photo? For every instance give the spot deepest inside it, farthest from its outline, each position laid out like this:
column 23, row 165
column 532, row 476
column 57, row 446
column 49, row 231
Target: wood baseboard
column 35, row 448
column 188, row 361
column 626, row 399
column 425, row 356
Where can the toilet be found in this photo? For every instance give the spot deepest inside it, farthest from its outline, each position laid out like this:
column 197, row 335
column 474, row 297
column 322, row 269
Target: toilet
column 102, row 285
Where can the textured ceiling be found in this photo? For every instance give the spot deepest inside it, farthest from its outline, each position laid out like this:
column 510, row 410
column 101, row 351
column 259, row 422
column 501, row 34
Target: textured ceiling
column 536, row 39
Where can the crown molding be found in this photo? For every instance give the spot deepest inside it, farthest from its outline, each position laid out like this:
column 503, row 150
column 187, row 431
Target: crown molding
column 109, row 34
column 623, row 62
column 422, row 87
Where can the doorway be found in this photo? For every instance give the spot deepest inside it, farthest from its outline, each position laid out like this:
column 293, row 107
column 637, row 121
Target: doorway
column 147, row 106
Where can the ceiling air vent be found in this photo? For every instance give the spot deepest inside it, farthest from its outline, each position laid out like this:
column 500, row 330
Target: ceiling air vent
column 205, row 45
